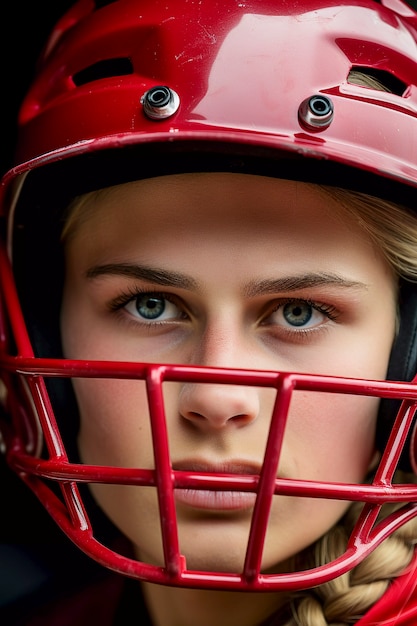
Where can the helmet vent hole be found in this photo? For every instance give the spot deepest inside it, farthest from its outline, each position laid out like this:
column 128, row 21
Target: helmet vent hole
column 380, row 80
column 103, row 3
column 103, row 69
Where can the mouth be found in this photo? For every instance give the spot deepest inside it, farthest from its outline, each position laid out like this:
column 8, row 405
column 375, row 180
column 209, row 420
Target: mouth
column 214, row 481
column 220, row 501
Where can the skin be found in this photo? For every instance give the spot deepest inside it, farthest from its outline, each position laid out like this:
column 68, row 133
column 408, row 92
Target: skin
column 270, row 275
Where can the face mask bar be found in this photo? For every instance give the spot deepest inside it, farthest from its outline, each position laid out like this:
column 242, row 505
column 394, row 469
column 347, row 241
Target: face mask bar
column 72, row 517
column 24, row 371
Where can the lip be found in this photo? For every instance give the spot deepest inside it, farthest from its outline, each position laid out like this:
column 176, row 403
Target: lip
column 215, row 474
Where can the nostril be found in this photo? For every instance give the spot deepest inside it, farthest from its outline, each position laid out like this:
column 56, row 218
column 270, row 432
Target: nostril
column 240, row 419
column 216, row 406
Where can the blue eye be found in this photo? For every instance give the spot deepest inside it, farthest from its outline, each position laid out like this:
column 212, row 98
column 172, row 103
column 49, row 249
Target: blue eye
column 300, row 314
column 153, row 307
column 150, row 307
column 297, row 313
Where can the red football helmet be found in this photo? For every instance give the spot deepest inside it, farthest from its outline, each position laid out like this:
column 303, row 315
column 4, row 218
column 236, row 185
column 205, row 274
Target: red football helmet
column 130, row 88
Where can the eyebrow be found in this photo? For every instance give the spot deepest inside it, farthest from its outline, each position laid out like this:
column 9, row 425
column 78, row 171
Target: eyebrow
column 168, row 278
column 299, row 282
column 159, row 276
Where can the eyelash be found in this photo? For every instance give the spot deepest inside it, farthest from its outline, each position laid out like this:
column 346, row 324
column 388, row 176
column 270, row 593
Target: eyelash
column 326, row 309
column 299, row 335
column 118, row 303
column 131, row 294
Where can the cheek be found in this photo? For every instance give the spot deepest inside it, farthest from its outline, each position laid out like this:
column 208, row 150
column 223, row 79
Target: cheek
column 331, row 436
column 328, row 439
column 114, row 423
column 115, row 431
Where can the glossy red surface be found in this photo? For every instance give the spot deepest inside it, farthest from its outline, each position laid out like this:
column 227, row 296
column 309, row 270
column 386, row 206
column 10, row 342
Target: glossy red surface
column 241, row 71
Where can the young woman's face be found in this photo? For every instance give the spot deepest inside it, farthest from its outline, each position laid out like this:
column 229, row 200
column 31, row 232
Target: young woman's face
column 234, row 271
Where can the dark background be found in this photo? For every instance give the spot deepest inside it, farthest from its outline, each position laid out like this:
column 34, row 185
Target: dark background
column 24, row 26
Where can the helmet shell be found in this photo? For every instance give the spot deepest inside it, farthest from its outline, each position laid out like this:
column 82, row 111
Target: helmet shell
column 242, row 72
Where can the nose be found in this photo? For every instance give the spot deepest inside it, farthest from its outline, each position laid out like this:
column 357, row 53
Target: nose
column 215, row 406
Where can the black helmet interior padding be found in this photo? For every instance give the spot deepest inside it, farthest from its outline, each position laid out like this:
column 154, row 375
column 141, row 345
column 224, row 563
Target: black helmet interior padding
column 40, row 214
column 402, row 366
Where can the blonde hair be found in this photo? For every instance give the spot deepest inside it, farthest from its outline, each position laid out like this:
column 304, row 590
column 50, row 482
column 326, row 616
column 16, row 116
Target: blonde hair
column 391, row 227
column 344, row 600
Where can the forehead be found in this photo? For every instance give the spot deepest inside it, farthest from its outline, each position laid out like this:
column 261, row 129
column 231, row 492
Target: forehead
column 194, row 222
column 206, row 198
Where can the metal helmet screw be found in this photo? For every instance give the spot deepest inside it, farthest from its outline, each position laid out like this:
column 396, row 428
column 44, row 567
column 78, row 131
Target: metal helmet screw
column 160, row 102
column 316, row 113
